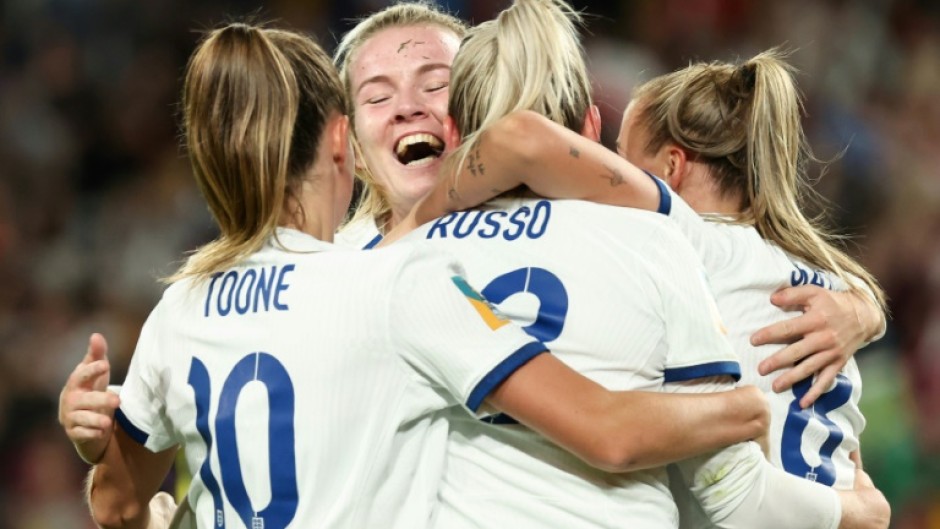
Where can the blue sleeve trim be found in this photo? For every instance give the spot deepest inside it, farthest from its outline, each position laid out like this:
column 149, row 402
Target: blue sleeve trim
column 704, row 370
column 665, row 196
column 134, row 432
column 502, row 371
column 371, row 244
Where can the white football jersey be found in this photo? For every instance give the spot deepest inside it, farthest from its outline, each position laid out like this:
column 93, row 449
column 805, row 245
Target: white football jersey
column 360, row 234
column 616, row 294
column 303, row 382
column 744, row 270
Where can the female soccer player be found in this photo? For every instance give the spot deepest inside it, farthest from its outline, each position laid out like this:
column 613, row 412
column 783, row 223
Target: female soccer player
column 301, row 379
column 395, row 65
column 609, row 290
column 728, row 140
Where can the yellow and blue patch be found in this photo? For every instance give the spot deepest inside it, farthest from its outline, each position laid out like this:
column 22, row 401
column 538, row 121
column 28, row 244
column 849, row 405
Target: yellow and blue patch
column 490, row 316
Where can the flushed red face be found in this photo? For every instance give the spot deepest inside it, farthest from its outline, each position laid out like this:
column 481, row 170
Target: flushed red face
column 400, row 81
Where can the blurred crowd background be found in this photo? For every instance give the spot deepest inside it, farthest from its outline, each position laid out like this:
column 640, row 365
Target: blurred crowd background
column 97, row 199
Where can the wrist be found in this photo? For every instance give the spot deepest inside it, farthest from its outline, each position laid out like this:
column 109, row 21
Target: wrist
column 869, row 318
column 92, row 452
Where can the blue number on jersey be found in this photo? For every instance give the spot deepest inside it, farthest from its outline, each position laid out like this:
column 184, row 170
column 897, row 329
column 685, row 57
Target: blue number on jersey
column 202, row 387
column 266, row 369
column 553, row 307
column 797, row 421
column 544, row 285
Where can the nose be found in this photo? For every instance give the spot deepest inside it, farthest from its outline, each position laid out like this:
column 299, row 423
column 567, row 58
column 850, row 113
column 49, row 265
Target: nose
column 409, row 108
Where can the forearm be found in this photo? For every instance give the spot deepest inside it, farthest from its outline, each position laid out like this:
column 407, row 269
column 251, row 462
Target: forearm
column 738, row 489
column 111, row 496
column 124, row 482
column 672, row 427
column 525, row 148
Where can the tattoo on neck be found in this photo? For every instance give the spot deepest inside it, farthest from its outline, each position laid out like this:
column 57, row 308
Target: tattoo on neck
column 575, row 153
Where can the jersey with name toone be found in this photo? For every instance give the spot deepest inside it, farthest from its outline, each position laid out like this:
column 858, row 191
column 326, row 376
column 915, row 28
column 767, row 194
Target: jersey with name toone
column 303, row 382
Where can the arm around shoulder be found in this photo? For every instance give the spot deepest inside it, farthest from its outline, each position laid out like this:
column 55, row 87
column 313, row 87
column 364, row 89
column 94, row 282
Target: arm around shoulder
column 627, row 430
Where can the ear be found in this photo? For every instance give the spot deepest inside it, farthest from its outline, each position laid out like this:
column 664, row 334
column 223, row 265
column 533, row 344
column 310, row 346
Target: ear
column 341, row 148
column 592, row 124
column 452, row 138
column 676, row 166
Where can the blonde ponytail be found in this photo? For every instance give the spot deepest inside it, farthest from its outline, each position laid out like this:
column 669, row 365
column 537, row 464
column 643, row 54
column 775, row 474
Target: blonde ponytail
column 528, row 58
column 254, row 105
column 744, row 123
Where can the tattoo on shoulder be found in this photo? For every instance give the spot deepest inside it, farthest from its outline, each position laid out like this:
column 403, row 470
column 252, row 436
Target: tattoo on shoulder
column 615, row 177
column 575, row 153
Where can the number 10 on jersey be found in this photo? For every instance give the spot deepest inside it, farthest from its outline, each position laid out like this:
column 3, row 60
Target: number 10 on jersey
column 264, row 368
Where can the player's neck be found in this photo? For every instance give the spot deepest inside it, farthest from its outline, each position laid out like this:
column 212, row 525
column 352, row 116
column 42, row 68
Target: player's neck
column 311, row 212
column 702, row 194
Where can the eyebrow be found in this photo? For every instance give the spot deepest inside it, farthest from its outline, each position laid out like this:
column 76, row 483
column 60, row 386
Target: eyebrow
column 423, row 69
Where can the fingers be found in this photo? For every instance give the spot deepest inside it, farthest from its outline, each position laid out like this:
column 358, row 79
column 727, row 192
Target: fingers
column 86, row 425
column 810, row 345
column 86, row 376
column 791, row 297
column 856, row 457
column 821, row 384
column 785, row 331
column 97, row 348
column 807, row 368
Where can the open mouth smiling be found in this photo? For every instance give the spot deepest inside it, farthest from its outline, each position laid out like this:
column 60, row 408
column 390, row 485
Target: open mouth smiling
column 415, row 150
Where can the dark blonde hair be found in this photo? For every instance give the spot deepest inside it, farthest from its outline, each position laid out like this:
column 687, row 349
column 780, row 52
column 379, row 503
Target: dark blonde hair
column 528, row 58
column 743, row 122
column 373, row 204
column 255, row 102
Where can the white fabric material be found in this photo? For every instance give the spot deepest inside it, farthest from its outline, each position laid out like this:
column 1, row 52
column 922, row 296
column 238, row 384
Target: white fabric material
column 744, row 270
column 633, row 307
column 357, row 234
column 764, row 496
column 364, row 389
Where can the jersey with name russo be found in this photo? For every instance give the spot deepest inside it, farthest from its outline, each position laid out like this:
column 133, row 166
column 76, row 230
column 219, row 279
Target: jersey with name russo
column 620, row 297
column 303, row 382
column 744, row 270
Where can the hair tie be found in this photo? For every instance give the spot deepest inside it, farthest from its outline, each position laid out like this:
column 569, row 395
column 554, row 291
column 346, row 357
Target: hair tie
column 744, row 79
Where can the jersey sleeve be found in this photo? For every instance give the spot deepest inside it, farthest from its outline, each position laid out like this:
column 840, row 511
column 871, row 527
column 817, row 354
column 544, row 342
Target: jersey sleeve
column 449, row 334
column 695, row 334
column 142, row 413
column 712, row 246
